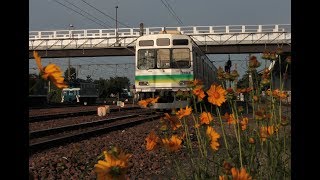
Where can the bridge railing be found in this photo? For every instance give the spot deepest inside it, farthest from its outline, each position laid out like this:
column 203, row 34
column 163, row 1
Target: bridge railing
column 134, row 32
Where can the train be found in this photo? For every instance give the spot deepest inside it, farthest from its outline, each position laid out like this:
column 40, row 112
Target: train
column 165, row 64
column 82, row 92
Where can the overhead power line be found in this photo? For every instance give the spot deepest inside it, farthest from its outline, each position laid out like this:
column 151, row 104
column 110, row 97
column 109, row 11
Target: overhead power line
column 171, row 11
column 106, row 14
column 80, row 14
column 87, row 13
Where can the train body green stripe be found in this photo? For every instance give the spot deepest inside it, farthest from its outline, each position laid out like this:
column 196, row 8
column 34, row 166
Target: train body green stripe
column 165, row 78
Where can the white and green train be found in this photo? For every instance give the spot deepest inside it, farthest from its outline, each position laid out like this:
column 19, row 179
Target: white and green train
column 165, row 64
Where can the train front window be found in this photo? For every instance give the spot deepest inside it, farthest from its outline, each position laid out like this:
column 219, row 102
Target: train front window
column 146, row 59
column 163, row 58
column 180, row 58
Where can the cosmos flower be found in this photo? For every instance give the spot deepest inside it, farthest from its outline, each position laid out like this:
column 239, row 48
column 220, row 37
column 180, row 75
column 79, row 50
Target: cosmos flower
column 230, row 118
column 143, row 103
column 240, row 175
column 198, row 91
column 244, row 123
column 184, row 112
column 288, row 59
column 234, row 73
column 173, row 120
column 51, row 72
column 214, row 136
column 251, row 140
column 216, row 95
column 172, row 144
column 266, row 131
column 197, row 82
column 147, row 102
column 221, row 73
column 114, row 165
column 205, row 118
column 152, row 140
column 253, row 62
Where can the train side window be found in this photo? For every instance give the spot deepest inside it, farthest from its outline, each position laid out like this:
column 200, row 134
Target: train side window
column 180, row 58
column 163, row 56
column 146, row 43
column 163, row 42
column 180, row 42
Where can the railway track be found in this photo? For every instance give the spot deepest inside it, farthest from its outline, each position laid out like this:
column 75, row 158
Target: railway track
column 47, row 138
column 47, row 117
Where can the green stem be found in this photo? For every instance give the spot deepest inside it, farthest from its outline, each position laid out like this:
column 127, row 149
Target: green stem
column 187, row 135
column 199, row 139
column 223, row 133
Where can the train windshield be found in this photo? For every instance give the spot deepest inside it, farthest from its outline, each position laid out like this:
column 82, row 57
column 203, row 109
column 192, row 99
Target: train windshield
column 163, row 58
column 146, row 59
column 180, row 58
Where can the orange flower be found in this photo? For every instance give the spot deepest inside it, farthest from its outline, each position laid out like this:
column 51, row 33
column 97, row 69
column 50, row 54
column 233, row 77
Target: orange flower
column 146, row 102
column 288, row 59
column 174, row 121
column 152, row 140
column 38, row 60
column 143, row 103
column 51, row 72
column 244, row 123
column 240, row 175
column 251, row 140
column 221, row 73
column 199, row 92
column 197, row 82
column 214, row 136
column 279, row 94
column 184, row 112
column 266, row 131
column 260, row 114
column 113, row 166
column 240, row 109
column 253, row 62
column 234, row 73
column 222, row 178
column 197, row 125
column 217, row 95
column 205, row 118
column 231, row 119
column 174, row 144
column 153, row 100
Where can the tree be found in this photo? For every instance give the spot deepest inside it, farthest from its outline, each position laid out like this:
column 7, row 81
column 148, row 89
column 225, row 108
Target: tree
column 114, row 85
column 37, row 85
column 73, row 74
column 244, row 81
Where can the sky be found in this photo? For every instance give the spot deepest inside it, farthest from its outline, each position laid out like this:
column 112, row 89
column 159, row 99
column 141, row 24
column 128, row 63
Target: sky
column 52, row 15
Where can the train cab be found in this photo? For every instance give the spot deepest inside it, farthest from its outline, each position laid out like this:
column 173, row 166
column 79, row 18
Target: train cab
column 70, row 95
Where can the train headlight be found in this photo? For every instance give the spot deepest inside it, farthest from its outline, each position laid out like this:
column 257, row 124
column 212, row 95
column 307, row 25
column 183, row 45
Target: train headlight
column 182, row 83
column 143, row 83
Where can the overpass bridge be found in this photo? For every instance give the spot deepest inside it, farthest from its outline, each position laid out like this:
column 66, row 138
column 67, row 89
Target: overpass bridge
column 233, row 39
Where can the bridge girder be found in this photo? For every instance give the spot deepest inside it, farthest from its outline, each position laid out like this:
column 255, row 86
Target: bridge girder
column 129, row 51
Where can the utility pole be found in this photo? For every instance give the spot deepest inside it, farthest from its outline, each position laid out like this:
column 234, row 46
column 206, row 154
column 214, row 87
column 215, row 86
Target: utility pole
column 250, row 75
column 141, row 29
column 116, row 26
column 69, row 76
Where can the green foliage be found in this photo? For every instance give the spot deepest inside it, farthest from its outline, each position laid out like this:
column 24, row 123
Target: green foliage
column 73, row 74
column 244, row 81
column 113, row 85
column 37, row 85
